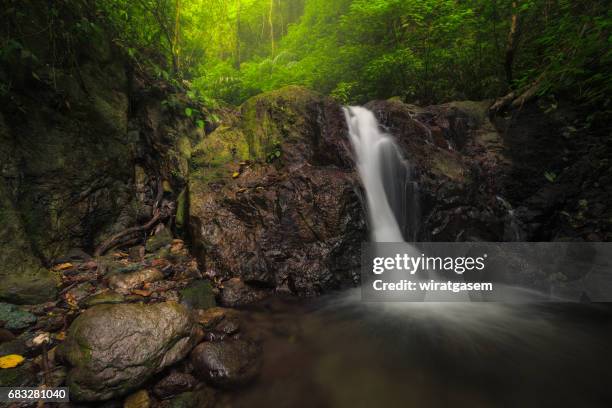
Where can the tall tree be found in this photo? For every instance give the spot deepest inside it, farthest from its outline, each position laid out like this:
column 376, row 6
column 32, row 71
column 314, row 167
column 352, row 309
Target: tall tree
column 512, row 43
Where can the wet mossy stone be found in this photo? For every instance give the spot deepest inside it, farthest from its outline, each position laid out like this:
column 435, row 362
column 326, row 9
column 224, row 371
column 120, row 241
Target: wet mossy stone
column 159, row 240
column 14, row 318
column 114, row 349
column 20, row 376
column 16, row 346
column 198, row 295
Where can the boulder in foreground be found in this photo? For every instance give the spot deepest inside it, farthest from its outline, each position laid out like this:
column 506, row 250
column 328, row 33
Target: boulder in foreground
column 114, row 348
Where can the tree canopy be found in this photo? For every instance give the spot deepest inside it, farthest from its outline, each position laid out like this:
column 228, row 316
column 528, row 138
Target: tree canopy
column 355, row 50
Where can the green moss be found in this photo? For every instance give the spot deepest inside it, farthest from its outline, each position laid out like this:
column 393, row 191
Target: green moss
column 161, row 239
column 198, row 295
column 181, row 209
column 266, row 121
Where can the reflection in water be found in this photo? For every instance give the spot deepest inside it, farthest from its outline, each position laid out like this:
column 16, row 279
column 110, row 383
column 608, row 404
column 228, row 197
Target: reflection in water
column 339, row 352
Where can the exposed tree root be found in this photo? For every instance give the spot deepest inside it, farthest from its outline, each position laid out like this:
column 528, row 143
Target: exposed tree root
column 159, row 214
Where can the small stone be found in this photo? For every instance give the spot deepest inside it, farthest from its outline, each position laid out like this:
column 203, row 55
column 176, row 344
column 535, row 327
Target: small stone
column 123, row 283
column 139, row 399
column 158, row 241
column 210, row 317
column 50, row 323
column 15, row 318
column 174, row 383
column 6, row 335
column 198, row 295
column 228, row 327
column 16, row 346
column 21, row 376
column 228, row 363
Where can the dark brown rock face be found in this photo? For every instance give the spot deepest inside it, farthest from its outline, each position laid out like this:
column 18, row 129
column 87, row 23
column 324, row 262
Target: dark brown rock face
column 274, row 197
column 455, row 155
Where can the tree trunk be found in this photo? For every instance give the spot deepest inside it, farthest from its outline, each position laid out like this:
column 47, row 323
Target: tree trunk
column 176, row 37
column 271, row 21
column 512, row 43
column 237, row 63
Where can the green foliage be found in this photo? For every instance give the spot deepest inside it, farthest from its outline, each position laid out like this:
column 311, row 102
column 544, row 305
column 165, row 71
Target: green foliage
column 419, row 50
column 226, row 51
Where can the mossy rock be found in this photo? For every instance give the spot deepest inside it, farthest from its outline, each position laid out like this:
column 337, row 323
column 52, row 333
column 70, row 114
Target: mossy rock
column 266, row 122
column 15, row 318
column 144, row 340
column 198, row 295
column 159, row 240
column 20, row 376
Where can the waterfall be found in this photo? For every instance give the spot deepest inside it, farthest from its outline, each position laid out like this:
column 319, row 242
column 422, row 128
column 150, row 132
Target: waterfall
column 391, row 195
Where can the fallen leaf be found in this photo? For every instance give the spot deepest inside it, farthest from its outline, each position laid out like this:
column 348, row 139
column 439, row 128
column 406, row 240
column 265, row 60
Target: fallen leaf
column 60, row 336
column 63, row 266
column 235, row 174
column 159, row 262
column 11, row 360
column 139, row 292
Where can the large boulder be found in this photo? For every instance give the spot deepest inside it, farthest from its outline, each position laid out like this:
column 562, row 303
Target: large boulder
column 114, row 349
column 281, row 179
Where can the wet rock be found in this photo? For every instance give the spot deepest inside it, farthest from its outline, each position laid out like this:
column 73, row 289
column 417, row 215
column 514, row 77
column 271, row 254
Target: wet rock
column 237, row 293
column 20, row 376
column 6, row 335
column 174, row 383
column 50, row 323
column 139, row 399
column 114, row 349
column 210, row 317
column 198, row 295
column 125, row 282
column 228, row 363
column 15, row 318
column 204, row 398
column 159, row 240
column 293, row 210
column 228, row 326
column 15, row 346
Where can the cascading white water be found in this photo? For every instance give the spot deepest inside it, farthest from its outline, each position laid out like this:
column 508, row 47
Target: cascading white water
column 384, row 175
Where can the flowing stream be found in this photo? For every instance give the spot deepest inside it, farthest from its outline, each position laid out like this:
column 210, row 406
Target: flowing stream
column 338, row 351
